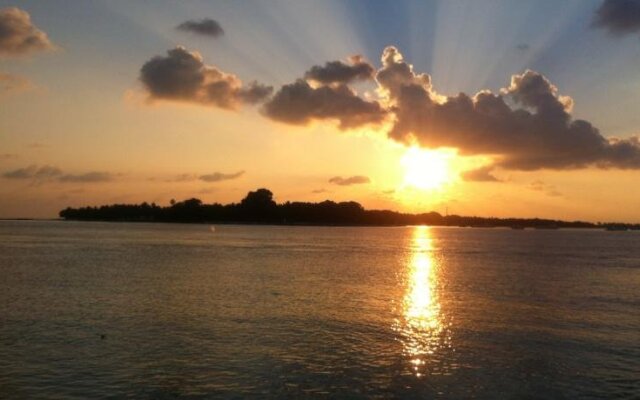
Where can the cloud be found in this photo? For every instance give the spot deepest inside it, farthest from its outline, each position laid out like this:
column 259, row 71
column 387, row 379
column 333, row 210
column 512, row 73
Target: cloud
column 205, row 27
column 299, row 103
column 11, row 84
column 47, row 173
column 18, row 35
column 319, row 191
column 352, row 180
column 339, row 72
column 183, row 178
column 549, row 190
column 523, row 47
column 619, row 17
column 526, row 126
column 182, row 75
column 213, row 177
column 482, row 174
column 8, row 156
column 219, row 176
column 87, row 177
column 33, row 172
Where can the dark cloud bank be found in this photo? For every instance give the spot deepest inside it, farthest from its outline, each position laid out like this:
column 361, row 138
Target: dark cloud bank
column 527, row 125
column 19, row 36
column 205, row 27
column 619, row 17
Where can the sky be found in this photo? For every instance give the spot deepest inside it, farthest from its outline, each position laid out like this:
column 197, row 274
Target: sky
column 473, row 107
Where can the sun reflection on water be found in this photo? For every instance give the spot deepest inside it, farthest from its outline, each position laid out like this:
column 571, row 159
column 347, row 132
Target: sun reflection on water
column 422, row 326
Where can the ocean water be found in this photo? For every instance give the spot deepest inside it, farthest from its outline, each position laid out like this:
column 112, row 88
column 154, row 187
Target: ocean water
column 164, row 311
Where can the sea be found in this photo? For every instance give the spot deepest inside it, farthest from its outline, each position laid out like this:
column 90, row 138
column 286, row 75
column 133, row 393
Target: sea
column 97, row 310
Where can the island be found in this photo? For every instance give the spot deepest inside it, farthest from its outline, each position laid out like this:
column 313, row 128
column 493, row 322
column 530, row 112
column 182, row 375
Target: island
column 259, row 207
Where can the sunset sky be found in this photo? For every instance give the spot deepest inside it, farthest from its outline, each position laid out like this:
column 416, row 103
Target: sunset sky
column 490, row 108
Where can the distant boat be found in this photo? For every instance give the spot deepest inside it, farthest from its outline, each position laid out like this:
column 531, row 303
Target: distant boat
column 619, row 228
column 518, row 227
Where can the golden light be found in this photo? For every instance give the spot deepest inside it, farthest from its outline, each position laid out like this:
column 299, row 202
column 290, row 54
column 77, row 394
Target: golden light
column 426, row 169
column 423, row 327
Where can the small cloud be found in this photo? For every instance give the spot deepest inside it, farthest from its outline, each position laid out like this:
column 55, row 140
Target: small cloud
column 8, row 156
column 482, row 174
column 219, row 176
column 12, row 84
column 183, row 178
column 48, row 173
column 37, row 145
column 182, row 75
column 319, row 191
column 619, row 17
column 523, row 47
column 208, row 190
column 549, row 190
column 390, row 191
column 352, row 180
column 87, row 177
column 19, row 36
column 299, row 103
column 205, row 27
column 340, row 72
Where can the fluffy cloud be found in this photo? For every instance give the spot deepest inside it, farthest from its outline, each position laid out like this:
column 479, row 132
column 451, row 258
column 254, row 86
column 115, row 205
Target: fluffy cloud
column 182, row 75
column 18, row 35
column 299, row 103
column 526, row 126
column 482, row 174
column 352, row 180
column 48, row 173
column 10, row 84
column 205, row 27
column 219, row 176
column 619, row 16
column 339, row 72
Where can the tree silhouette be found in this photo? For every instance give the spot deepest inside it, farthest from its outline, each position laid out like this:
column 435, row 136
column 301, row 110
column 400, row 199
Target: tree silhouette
column 259, row 207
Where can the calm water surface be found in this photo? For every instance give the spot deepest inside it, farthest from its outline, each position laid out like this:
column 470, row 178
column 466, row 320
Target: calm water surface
column 315, row 312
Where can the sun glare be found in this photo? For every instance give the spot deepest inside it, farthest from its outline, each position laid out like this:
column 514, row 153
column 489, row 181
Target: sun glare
column 426, row 169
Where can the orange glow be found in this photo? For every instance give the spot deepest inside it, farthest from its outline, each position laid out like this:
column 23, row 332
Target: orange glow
column 426, row 169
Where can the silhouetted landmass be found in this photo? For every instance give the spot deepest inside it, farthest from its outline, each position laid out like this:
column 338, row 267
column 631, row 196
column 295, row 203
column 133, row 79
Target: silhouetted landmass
column 258, row 207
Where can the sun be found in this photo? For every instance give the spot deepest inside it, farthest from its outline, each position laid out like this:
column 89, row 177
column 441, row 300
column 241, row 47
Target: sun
column 426, row 169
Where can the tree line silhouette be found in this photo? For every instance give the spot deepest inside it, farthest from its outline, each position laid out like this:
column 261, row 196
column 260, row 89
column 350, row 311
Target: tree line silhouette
column 258, row 207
